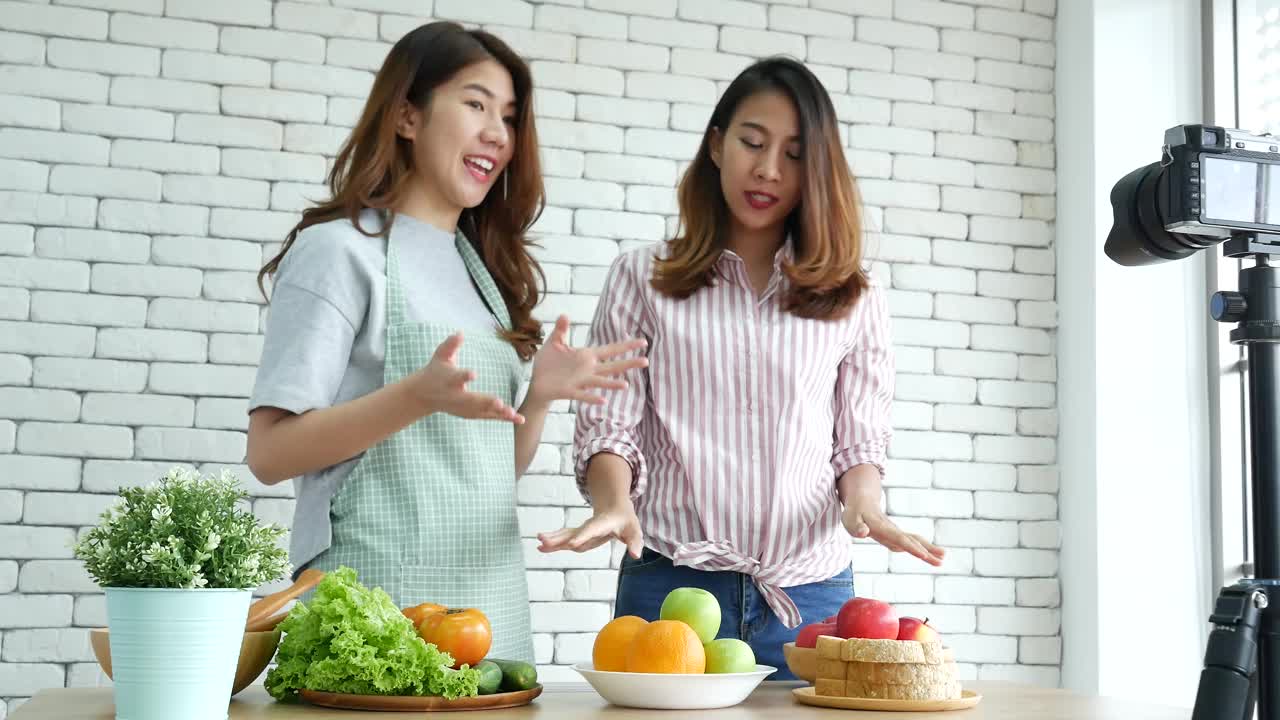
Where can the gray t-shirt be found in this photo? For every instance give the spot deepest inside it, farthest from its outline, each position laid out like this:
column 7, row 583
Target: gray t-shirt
column 326, row 332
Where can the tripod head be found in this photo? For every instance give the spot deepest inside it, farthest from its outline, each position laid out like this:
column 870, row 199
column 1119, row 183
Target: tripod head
column 1256, row 306
column 1251, row 243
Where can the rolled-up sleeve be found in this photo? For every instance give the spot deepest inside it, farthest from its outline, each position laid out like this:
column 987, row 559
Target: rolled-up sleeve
column 613, row 426
column 864, row 389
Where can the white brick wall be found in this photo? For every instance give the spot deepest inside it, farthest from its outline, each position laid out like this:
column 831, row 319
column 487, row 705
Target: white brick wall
column 153, row 152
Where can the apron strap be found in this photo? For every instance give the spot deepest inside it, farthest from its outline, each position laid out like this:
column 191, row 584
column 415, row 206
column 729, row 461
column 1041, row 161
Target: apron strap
column 396, row 311
column 483, row 280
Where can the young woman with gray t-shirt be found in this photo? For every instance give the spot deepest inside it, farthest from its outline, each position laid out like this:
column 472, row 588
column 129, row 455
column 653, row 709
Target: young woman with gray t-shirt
column 405, row 438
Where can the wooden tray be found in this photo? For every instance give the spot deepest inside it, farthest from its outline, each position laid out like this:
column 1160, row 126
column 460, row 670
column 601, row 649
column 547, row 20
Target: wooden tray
column 405, row 703
column 806, row 696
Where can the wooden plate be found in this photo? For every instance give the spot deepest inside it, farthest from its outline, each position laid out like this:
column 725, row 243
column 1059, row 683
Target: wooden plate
column 806, row 696
column 404, row 703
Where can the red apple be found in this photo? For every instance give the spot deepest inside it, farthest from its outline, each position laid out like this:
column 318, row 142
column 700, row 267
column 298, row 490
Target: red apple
column 910, row 628
column 830, row 619
column 867, row 618
column 808, row 636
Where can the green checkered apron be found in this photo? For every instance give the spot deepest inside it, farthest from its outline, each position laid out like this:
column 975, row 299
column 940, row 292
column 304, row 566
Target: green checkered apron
column 429, row 514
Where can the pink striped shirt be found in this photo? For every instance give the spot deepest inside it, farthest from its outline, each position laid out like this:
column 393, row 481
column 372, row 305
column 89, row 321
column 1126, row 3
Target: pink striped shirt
column 746, row 416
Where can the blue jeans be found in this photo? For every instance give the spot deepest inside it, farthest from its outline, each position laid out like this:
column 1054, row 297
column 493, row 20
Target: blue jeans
column 643, row 584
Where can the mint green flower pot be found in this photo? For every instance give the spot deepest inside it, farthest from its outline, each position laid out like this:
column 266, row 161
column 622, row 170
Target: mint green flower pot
column 174, row 652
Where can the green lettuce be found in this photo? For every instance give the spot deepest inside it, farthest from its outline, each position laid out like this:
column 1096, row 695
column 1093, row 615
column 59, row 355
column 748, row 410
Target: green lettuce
column 352, row 639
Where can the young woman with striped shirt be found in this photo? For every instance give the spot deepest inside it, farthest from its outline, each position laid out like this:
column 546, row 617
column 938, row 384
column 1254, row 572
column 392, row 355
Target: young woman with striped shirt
column 752, row 447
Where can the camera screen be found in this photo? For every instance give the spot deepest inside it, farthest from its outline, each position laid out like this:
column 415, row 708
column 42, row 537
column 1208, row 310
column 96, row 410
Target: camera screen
column 1240, row 191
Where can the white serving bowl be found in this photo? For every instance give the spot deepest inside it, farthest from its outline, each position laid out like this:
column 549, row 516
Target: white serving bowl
column 672, row 691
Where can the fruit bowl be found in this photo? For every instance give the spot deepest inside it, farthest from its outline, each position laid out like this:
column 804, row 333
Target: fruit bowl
column 803, row 662
column 256, row 652
column 674, row 691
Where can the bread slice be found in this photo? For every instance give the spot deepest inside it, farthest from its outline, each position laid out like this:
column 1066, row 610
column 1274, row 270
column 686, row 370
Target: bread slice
column 892, row 651
column 831, row 669
column 899, row 673
column 830, row 647
column 830, row 688
column 885, row 669
column 946, row 690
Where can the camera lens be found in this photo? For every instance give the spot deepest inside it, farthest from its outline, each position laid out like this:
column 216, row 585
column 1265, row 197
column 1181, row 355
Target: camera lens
column 1137, row 234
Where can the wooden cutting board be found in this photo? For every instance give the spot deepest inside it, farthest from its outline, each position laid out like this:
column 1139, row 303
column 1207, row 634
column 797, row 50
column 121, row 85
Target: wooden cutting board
column 344, row 701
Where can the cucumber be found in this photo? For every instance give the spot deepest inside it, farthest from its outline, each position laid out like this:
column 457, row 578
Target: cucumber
column 490, row 677
column 516, row 675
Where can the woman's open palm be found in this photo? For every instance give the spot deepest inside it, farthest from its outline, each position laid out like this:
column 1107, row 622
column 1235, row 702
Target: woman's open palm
column 563, row 372
column 864, row 518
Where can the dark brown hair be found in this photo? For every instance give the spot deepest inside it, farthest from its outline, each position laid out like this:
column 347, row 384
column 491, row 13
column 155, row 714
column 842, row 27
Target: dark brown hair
column 826, row 274
column 374, row 165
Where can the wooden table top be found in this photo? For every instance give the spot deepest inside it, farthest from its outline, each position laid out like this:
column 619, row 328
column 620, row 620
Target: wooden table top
column 567, row 701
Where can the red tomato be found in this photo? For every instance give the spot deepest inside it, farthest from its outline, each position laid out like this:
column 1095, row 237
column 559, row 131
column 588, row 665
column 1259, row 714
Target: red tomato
column 418, row 613
column 464, row 634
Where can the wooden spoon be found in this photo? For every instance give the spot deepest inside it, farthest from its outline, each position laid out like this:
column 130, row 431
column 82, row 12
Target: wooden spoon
column 266, row 606
column 267, row 623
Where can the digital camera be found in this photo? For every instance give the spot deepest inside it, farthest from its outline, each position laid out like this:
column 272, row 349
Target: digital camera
column 1211, row 183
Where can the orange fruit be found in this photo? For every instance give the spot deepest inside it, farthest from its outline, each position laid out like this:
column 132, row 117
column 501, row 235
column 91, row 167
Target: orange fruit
column 666, row 646
column 610, row 651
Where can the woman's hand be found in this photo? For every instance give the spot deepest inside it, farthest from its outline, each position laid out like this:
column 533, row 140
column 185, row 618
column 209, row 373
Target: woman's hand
column 441, row 386
column 864, row 518
column 562, row 372
column 606, row 524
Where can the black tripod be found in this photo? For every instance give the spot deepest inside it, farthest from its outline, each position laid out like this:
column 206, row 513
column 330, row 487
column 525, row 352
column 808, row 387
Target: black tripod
column 1240, row 663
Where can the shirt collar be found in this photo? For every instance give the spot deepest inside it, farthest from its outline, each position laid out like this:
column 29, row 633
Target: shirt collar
column 729, row 258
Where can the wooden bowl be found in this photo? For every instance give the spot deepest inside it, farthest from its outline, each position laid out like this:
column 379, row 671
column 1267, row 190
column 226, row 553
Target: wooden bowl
column 803, row 662
column 256, row 652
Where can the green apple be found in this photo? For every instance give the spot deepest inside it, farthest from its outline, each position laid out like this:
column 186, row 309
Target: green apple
column 695, row 607
column 729, row 655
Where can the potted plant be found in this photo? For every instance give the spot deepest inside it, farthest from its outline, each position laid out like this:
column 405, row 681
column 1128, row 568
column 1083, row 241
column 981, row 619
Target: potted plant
column 178, row 561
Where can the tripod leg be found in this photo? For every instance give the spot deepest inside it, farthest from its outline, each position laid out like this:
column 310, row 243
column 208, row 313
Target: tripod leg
column 1228, row 683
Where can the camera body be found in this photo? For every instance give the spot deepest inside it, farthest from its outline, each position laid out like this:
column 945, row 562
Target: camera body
column 1210, row 184
column 1220, row 180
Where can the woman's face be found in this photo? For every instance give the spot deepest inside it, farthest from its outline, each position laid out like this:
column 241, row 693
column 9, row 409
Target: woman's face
column 464, row 138
column 761, row 160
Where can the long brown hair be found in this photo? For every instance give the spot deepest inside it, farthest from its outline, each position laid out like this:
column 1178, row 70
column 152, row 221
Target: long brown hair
column 374, row 165
column 826, row 273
